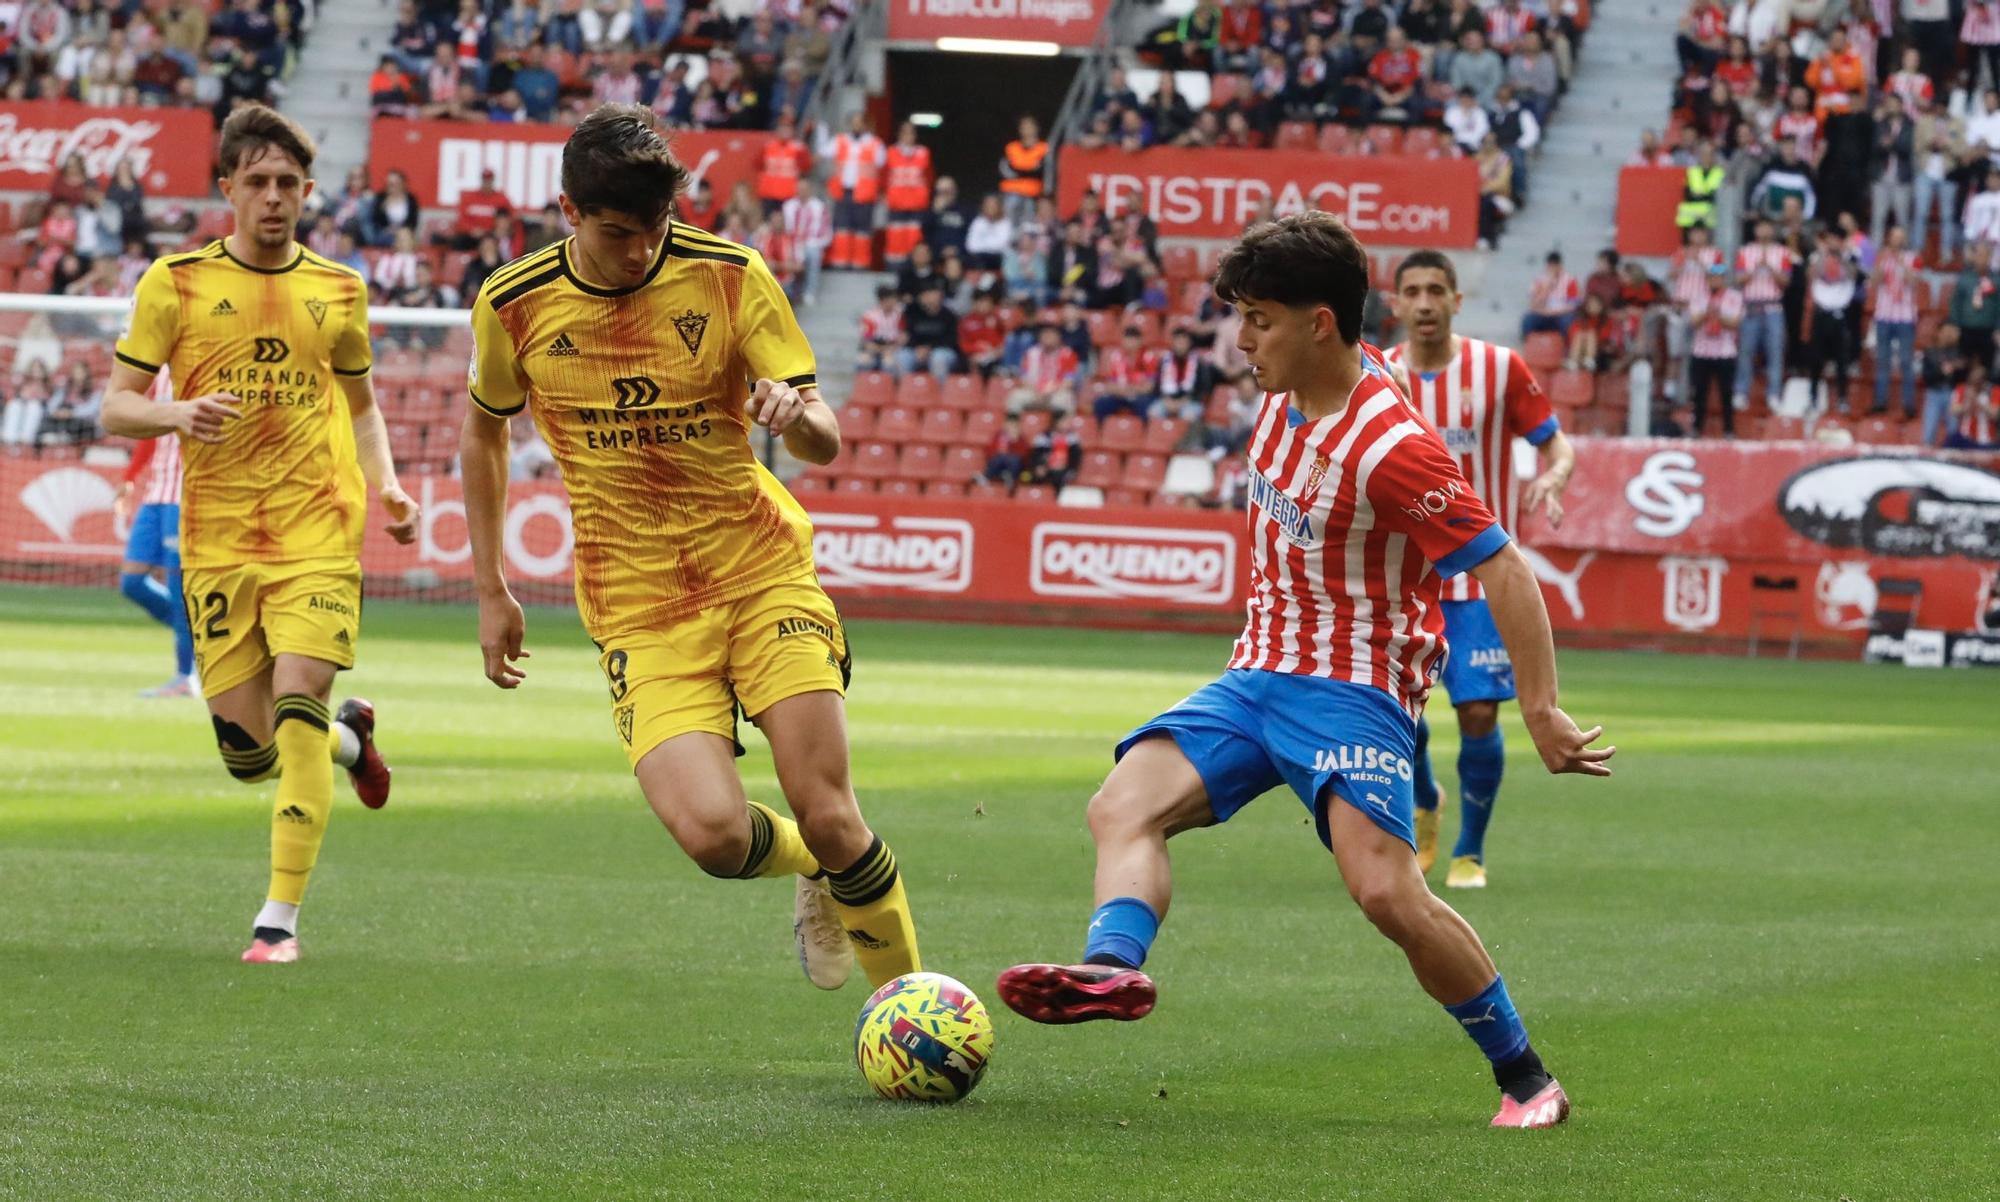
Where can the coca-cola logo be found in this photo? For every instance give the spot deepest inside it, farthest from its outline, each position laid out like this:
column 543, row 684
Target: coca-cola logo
column 1138, row 562
column 925, row 555
column 102, row 141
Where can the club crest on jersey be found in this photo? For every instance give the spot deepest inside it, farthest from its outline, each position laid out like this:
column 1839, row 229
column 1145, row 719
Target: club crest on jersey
column 1315, row 476
column 316, row 309
column 691, row 326
column 1294, row 521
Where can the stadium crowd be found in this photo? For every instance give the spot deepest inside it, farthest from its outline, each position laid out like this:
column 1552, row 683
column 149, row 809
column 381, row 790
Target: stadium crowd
column 1840, row 205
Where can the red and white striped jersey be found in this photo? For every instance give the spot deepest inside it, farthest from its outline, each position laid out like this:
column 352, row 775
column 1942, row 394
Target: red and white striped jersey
column 1764, row 269
column 1982, row 23
column 1354, row 520
column 1976, row 423
column 1896, row 286
column 159, row 459
column 1478, row 406
column 1688, row 274
column 809, row 221
column 1711, row 337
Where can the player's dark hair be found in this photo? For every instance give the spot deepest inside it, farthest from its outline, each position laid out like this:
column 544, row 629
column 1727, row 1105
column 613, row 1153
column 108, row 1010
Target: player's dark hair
column 616, row 159
column 1435, row 259
column 253, row 129
column 1306, row 258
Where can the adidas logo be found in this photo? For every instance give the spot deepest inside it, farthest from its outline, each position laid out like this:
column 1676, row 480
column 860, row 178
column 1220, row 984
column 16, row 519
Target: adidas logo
column 340, row 636
column 866, row 940
column 562, row 347
column 294, row 814
column 224, row 309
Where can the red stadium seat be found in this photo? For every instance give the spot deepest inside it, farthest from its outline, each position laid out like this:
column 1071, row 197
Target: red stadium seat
column 981, row 426
column 902, row 488
column 898, row 423
column 1226, row 88
column 1572, row 389
column 1422, row 141
column 872, row 390
column 13, row 253
column 918, row 390
column 1146, row 472
column 810, row 486
column 1101, row 469
column 1880, row 431
column 215, row 223
column 1105, row 327
column 855, row 424
column 873, row 461
column 1035, row 494
column 1121, row 432
column 997, row 389
column 1163, row 435
column 942, row 427
column 1543, row 351
column 985, row 490
column 1124, row 496
column 963, row 391
column 919, row 461
column 1180, row 263
column 945, row 488
column 1386, row 139
column 962, row 464
column 1335, row 138
column 35, row 281
column 1216, row 412
column 1188, row 300
column 1035, row 421
column 1295, row 135
column 855, row 484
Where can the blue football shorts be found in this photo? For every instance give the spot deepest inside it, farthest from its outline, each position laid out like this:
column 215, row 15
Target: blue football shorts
column 1251, row 731
column 1478, row 668
column 156, row 537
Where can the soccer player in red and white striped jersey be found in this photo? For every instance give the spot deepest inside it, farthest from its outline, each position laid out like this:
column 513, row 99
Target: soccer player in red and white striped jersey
column 151, row 494
column 1480, row 397
column 1358, row 513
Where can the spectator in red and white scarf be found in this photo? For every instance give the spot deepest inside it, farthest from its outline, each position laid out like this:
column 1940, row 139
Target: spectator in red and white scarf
column 1128, row 373
column 1553, row 299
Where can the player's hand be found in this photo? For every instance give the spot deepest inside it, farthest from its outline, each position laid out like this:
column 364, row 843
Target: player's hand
column 121, row 505
column 1564, row 748
column 403, row 513
column 1545, row 492
column 502, row 626
column 775, row 405
column 201, row 418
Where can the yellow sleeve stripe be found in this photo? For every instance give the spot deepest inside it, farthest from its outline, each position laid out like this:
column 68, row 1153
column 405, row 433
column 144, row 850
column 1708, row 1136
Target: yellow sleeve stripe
column 140, row 364
column 363, row 370
column 522, row 266
column 496, row 412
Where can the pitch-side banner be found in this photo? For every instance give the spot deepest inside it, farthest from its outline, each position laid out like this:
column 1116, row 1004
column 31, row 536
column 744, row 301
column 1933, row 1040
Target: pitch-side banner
column 1064, row 22
column 443, row 159
column 1386, row 199
column 172, row 149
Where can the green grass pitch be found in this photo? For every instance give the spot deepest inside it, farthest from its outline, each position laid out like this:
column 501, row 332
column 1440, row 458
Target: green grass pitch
column 1762, row 958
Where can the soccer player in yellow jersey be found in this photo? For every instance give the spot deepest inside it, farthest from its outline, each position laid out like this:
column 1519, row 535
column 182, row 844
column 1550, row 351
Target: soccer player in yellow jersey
column 645, row 349
column 268, row 344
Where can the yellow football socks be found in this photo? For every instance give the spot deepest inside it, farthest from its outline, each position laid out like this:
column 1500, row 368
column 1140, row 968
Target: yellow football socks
column 876, row 912
column 305, row 794
column 776, row 848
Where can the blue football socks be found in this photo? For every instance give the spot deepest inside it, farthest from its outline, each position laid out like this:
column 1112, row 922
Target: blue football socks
column 1121, row 932
column 1480, row 762
column 1425, row 784
column 1493, row 1023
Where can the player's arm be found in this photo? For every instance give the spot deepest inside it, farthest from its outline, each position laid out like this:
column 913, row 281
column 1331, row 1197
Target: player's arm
column 1407, row 487
column 498, row 389
column 1515, row 598
column 1531, row 416
column 146, row 345
column 785, row 398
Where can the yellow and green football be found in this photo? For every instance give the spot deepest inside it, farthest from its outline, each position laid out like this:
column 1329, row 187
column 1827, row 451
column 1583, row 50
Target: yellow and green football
column 923, row 1037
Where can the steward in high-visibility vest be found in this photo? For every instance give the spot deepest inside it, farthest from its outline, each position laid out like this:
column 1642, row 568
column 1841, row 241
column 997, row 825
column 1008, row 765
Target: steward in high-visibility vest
column 907, row 188
column 1703, row 185
column 1021, row 163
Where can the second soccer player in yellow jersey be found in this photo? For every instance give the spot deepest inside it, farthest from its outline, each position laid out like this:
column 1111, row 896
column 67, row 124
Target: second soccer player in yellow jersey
column 645, row 350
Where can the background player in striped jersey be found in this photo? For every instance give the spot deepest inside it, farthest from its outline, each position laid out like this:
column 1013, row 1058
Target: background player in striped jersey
column 150, row 496
column 1357, row 512
column 282, row 444
column 1479, row 397
column 634, row 345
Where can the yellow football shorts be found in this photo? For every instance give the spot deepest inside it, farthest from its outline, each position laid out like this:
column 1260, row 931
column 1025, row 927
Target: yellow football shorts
column 244, row 616
column 694, row 673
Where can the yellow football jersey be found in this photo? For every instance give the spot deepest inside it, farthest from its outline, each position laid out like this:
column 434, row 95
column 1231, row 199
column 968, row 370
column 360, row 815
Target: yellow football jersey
column 283, row 484
column 640, row 394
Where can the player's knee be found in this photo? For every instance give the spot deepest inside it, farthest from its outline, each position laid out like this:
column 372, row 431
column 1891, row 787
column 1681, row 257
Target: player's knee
column 1476, row 719
column 1385, row 903
column 1117, row 813
column 247, row 760
column 833, row 832
column 719, row 849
